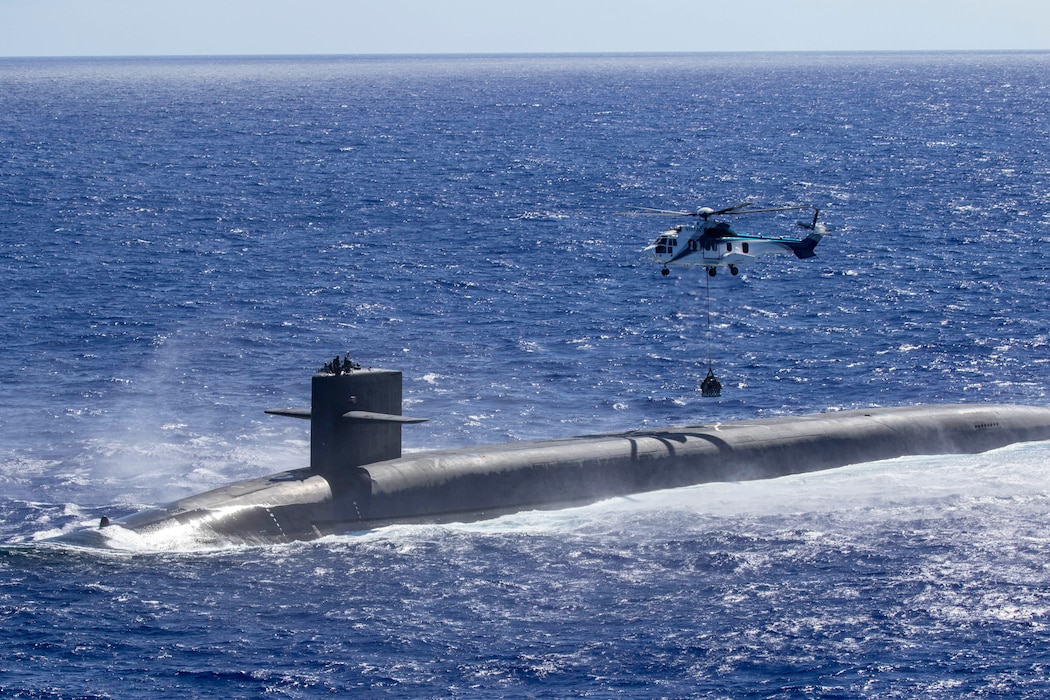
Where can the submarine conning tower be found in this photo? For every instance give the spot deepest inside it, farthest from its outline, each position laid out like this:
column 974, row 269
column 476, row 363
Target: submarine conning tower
column 349, row 419
column 355, row 418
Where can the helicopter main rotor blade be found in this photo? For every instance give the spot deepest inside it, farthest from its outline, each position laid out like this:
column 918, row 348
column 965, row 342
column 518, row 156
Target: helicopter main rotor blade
column 764, row 211
column 647, row 211
column 735, row 210
column 731, row 210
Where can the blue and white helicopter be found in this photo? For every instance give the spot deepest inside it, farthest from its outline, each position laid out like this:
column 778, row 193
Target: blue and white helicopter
column 713, row 244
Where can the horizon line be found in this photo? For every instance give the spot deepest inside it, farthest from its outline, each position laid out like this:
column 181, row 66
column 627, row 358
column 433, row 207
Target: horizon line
column 525, row 54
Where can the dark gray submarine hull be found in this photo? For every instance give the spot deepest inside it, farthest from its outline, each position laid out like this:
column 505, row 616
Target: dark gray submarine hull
column 475, row 483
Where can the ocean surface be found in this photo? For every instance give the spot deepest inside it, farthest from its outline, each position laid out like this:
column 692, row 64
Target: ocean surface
column 183, row 242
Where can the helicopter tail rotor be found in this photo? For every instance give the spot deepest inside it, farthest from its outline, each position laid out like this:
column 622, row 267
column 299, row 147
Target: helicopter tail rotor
column 811, row 225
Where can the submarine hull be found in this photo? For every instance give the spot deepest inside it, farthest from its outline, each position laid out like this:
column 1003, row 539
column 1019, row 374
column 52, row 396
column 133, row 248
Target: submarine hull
column 475, row 483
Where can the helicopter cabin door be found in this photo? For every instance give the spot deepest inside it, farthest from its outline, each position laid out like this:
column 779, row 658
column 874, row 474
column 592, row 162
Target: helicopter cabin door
column 709, row 250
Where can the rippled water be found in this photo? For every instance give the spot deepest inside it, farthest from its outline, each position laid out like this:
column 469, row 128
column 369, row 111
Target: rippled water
column 184, row 241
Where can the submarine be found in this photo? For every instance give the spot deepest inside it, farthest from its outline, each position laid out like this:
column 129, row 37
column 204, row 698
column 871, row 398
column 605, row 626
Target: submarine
column 358, row 479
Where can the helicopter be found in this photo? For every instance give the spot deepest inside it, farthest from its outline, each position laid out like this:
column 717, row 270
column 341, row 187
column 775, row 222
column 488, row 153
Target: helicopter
column 713, row 244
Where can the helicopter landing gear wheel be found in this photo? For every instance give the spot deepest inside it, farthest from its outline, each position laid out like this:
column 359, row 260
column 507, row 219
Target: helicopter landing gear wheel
column 733, row 270
column 665, row 272
column 711, row 271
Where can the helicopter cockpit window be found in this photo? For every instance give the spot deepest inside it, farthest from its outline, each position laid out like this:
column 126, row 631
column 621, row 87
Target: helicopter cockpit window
column 744, row 246
column 664, row 244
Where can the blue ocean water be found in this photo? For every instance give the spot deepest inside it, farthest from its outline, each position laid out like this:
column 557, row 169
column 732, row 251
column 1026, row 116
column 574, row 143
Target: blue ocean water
column 184, row 241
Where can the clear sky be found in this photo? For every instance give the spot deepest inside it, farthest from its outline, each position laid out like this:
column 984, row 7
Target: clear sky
column 241, row 27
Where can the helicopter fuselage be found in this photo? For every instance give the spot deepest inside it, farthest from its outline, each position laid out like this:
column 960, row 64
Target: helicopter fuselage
column 714, row 244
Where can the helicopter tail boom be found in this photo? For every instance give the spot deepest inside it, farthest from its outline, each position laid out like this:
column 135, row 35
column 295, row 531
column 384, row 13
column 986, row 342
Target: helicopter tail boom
column 804, row 249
